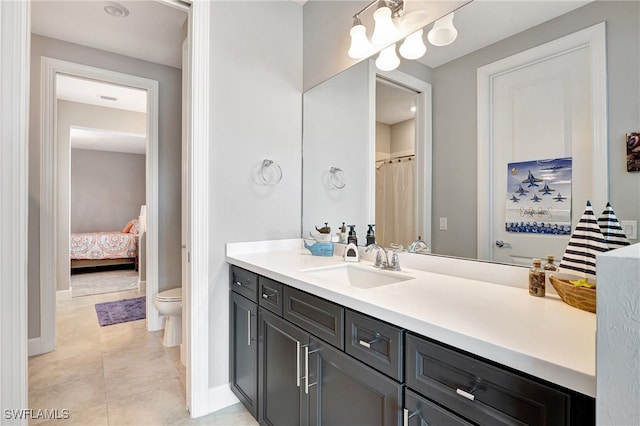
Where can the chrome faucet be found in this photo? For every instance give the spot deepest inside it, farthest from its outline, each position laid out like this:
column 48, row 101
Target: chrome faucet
column 394, row 265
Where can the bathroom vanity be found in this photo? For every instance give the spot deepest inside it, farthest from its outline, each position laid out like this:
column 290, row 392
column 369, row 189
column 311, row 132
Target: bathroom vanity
column 314, row 340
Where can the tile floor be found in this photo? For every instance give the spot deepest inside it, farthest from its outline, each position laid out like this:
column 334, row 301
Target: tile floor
column 115, row 375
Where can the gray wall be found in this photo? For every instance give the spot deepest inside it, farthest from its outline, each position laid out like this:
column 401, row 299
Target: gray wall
column 169, row 156
column 455, row 124
column 256, row 95
column 107, row 189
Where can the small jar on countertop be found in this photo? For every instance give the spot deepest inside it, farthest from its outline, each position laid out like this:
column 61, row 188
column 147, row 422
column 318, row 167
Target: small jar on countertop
column 536, row 279
column 550, row 266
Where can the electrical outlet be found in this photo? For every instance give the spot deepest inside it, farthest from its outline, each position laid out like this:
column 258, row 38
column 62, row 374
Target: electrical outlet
column 443, row 224
column 630, row 228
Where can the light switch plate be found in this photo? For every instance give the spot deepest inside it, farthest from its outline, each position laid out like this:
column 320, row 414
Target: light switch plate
column 630, row 228
column 443, row 223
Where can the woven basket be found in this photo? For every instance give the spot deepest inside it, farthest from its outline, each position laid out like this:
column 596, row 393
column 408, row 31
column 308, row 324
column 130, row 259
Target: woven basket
column 578, row 297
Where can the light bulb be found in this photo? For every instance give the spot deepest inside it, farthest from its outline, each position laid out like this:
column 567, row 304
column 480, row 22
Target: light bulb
column 387, row 59
column 443, row 31
column 385, row 31
column 360, row 46
column 413, row 47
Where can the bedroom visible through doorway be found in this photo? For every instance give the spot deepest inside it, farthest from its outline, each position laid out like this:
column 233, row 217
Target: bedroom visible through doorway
column 105, row 128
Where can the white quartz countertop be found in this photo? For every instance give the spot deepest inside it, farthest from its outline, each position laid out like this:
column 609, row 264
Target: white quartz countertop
column 543, row 337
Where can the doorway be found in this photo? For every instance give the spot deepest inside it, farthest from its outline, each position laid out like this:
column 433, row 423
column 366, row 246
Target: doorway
column 55, row 180
column 417, row 204
column 395, row 164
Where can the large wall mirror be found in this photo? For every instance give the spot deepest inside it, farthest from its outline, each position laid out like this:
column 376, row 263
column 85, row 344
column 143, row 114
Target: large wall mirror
column 342, row 163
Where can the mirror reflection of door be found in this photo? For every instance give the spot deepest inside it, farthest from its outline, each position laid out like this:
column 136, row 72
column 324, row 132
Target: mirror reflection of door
column 395, row 176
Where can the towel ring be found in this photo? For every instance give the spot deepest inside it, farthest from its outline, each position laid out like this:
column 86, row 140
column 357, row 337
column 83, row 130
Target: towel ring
column 337, row 178
column 270, row 172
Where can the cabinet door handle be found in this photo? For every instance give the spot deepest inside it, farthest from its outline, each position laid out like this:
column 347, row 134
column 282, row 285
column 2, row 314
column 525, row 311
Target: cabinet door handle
column 248, row 328
column 466, row 394
column 306, row 370
column 365, row 344
column 297, row 363
column 407, row 415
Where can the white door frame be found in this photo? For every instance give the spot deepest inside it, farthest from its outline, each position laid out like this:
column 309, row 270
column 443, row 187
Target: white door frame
column 14, row 87
column 14, row 196
column 423, row 147
column 592, row 38
column 51, row 259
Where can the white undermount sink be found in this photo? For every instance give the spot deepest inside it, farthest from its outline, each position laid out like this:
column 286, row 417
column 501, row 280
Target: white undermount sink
column 357, row 276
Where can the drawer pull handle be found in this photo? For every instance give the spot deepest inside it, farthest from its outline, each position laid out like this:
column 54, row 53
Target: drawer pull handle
column 266, row 296
column 466, row 394
column 407, row 415
column 240, row 283
column 370, row 342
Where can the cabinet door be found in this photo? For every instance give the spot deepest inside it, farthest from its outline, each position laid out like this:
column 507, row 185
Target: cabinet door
column 344, row 391
column 422, row 412
column 282, row 398
column 243, row 371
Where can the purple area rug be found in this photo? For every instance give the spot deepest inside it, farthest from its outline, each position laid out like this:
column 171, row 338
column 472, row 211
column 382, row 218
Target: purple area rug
column 125, row 310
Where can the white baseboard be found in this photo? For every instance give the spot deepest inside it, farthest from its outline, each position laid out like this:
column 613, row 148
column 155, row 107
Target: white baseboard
column 34, row 346
column 142, row 286
column 221, row 397
column 63, row 294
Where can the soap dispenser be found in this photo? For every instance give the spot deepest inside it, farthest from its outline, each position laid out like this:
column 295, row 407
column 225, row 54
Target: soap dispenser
column 351, row 253
column 342, row 235
column 352, row 238
column 371, row 236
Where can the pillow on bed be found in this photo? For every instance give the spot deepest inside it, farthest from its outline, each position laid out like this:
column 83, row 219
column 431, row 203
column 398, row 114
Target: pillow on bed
column 135, row 228
column 128, row 226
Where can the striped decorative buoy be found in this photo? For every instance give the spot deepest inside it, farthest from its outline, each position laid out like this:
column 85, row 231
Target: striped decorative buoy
column 585, row 243
column 611, row 229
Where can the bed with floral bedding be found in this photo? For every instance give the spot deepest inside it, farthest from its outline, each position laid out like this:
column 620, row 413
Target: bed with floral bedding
column 89, row 249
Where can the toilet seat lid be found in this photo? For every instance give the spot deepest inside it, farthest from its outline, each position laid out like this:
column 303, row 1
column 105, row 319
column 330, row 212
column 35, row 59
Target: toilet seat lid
column 173, row 294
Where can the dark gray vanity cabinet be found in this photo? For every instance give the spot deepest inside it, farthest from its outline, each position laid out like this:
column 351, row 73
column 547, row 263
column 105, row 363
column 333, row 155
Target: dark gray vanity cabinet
column 344, row 391
column 283, row 346
column 243, row 360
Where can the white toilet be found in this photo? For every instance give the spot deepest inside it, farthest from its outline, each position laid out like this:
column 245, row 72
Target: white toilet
column 169, row 304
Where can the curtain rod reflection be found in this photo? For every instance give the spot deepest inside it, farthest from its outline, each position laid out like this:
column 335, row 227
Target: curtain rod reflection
column 399, row 158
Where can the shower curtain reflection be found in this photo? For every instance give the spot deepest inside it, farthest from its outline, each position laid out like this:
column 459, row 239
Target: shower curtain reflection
column 395, row 202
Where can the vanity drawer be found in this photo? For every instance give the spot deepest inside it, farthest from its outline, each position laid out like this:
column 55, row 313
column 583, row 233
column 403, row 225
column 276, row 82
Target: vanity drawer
column 421, row 411
column 375, row 343
column 480, row 391
column 270, row 295
column 318, row 316
column 244, row 282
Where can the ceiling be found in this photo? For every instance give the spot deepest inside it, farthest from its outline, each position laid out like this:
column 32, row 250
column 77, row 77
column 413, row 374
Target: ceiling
column 152, row 31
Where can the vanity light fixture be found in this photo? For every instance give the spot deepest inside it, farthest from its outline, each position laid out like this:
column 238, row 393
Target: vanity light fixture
column 443, row 32
column 413, row 47
column 387, row 59
column 385, row 32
